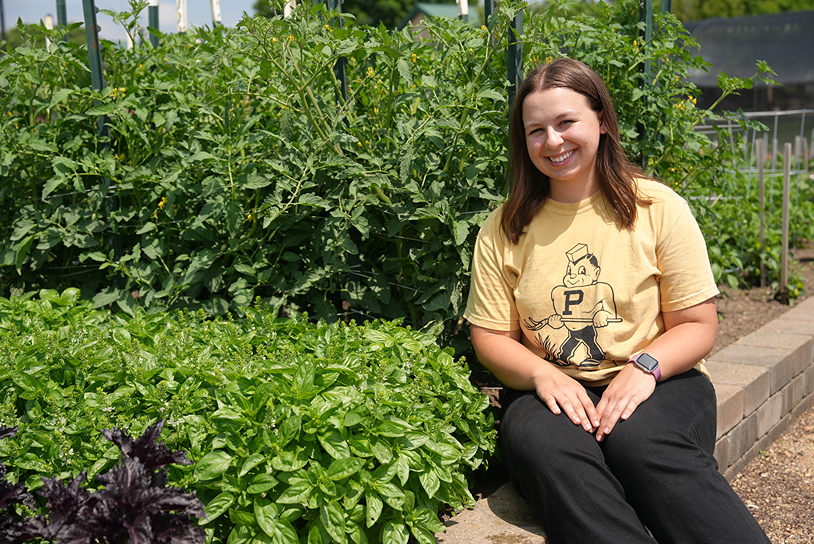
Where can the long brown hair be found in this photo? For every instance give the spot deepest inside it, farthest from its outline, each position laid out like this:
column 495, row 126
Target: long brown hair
column 615, row 174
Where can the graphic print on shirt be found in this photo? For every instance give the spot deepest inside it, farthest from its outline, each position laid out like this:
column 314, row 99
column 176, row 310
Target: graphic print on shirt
column 582, row 304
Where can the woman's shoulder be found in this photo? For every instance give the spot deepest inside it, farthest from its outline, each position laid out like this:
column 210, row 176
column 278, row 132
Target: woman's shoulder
column 658, row 193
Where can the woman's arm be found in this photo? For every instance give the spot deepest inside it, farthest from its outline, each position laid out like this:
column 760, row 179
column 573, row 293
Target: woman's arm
column 517, row 367
column 689, row 336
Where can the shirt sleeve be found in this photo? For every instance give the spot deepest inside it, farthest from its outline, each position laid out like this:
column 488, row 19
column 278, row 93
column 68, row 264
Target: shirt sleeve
column 686, row 276
column 491, row 301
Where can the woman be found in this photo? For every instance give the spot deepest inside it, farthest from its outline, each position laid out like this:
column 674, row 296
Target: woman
column 592, row 302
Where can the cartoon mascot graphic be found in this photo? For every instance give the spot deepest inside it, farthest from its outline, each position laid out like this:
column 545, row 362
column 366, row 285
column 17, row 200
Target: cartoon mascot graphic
column 582, row 304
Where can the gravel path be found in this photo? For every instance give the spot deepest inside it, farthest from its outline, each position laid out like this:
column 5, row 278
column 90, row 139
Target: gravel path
column 778, row 485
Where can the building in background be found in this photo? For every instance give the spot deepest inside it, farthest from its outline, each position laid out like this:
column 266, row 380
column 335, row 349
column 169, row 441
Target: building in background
column 784, row 40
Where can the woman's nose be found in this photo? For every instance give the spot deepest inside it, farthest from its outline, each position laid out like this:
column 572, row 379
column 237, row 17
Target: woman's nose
column 553, row 139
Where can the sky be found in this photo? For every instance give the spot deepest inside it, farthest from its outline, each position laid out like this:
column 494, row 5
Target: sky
column 200, row 13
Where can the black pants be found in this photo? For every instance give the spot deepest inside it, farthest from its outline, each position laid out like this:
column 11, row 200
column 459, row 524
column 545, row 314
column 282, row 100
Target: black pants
column 656, row 470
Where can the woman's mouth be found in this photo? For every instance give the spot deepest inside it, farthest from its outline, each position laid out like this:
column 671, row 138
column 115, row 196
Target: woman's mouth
column 560, row 158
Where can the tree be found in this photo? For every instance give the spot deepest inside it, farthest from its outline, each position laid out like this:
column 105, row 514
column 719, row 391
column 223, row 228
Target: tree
column 693, row 10
column 15, row 38
column 563, row 8
column 367, row 12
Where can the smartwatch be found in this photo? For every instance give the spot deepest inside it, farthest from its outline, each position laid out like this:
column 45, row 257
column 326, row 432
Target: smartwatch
column 648, row 363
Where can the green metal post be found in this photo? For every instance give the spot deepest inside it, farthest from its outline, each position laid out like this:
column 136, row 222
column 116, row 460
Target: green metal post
column 488, row 9
column 94, row 50
column 152, row 14
column 62, row 14
column 648, row 35
column 2, row 25
column 666, row 6
column 515, row 56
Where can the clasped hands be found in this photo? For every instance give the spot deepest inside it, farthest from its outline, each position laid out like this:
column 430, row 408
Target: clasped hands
column 628, row 389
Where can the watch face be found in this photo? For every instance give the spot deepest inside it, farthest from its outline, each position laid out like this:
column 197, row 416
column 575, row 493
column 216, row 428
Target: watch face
column 647, row 362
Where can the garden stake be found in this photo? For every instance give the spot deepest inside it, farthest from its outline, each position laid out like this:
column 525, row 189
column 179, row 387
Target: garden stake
column 463, row 10
column 181, row 12
column 761, row 156
column 798, row 155
column 784, row 255
column 152, row 14
column 217, row 18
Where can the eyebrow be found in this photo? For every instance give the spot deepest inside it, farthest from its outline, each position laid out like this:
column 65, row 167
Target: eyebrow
column 533, row 123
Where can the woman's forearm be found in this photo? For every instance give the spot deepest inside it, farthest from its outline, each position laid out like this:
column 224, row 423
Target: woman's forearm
column 510, row 361
column 689, row 338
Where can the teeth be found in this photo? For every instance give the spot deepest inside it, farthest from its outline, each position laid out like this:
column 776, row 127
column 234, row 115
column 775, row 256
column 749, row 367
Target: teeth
column 562, row 157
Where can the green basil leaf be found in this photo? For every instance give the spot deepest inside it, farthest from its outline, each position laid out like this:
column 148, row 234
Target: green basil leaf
column 422, row 535
column 395, row 533
column 262, row 483
column 241, row 517
column 251, row 461
column 374, row 508
column 335, row 445
column 429, row 481
column 240, row 535
column 289, row 429
column 266, row 513
column 212, row 465
column 217, row 507
column 342, row 468
column 333, row 519
column 296, row 493
column 25, row 381
column 284, row 533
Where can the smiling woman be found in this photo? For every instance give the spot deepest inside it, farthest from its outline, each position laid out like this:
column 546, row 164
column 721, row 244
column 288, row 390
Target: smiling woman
column 608, row 420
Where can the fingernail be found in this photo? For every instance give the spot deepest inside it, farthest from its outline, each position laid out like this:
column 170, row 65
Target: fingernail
column 607, row 430
column 587, row 427
column 600, row 437
column 596, row 423
column 624, row 416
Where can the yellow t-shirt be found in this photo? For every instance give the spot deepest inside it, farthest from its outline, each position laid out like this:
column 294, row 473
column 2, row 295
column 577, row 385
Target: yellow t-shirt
column 586, row 293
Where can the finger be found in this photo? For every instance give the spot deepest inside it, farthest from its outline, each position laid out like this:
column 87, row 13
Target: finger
column 551, row 402
column 621, row 410
column 591, row 414
column 606, row 417
column 575, row 412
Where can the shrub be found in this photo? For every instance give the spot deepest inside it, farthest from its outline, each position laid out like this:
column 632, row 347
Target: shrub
column 235, row 169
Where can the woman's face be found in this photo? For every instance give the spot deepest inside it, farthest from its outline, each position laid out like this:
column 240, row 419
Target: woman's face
column 562, row 137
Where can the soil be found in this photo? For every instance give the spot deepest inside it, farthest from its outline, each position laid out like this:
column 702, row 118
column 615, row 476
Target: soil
column 777, row 486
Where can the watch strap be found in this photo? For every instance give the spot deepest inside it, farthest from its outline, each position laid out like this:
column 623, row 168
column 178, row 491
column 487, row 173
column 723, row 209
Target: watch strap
column 656, row 373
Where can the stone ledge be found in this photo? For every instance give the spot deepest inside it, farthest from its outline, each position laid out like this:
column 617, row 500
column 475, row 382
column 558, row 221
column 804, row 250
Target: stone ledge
column 764, row 381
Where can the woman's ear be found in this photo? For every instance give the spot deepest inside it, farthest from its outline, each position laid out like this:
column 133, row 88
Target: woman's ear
column 602, row 128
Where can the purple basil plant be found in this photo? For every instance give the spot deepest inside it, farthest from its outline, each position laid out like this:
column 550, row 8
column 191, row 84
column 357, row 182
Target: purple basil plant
column 135, row 506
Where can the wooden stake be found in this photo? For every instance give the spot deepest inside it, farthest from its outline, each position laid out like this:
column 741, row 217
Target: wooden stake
column 761, row 157
column 784, row 255
column 183, row 18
